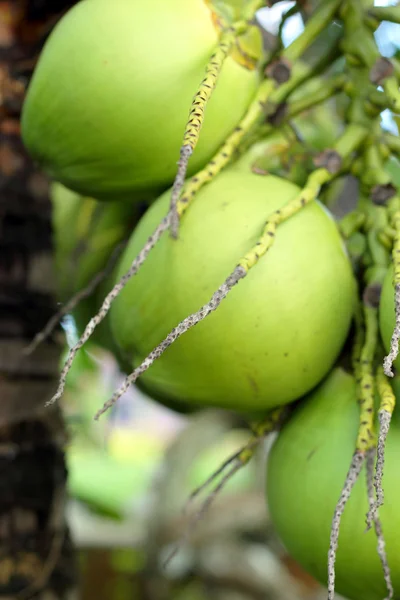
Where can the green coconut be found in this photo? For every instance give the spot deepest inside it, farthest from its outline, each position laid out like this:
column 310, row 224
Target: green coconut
column 277, row 333
column 107, row 106
column 307, row 468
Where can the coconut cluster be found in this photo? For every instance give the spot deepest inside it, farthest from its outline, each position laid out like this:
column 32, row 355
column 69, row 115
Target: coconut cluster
column 193, row 180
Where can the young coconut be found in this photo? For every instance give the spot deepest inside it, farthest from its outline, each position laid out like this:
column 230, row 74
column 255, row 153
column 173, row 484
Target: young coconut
column 306, row 469
column 275, row 336
column 86, row 233
column 107, row 107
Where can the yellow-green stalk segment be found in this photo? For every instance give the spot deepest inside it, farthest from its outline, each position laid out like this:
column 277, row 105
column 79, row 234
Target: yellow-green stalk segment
column 267, row 95
column 358, row 340
column 387, row 403
column 381, row 546
column 366, row 385
column 364, row 354
column 346, row 144
column 365, row 438
column 376, row 182
column 317, row 23
column 394, row 211
column 197, row 111
column 393, row 143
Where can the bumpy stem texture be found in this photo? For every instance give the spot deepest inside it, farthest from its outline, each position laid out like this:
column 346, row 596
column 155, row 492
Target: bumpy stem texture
column 226, row 152
column 317, row 23
column 366, row 437
column 386, row 408
column 74, row 301
column 266, row 240
column 196, row 116
column 381, row 546
column 176, row 333
column 105, row 307
column 351, row 478
column 394, row 343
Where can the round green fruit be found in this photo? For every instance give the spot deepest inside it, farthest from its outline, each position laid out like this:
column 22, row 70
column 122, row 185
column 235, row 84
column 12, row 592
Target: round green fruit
column 106, row 109
column 85, row 233
column 307, row 468
column 387, row 313
column 279, row 330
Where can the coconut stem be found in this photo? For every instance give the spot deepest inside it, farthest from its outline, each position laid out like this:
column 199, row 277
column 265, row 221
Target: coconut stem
column 196, row 115
column 317, row 23
column 266, row 240
column 351, row 478
column 268, row 95
column 394, row 343
column 381, row 546
column 386, row 408
column 74, row 301
column 224, row 155
column 105, row 307
column 365, row 437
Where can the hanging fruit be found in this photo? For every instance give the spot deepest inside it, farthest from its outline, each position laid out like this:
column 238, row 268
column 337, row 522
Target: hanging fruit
column 106, row 109
column 238, row 289
column 279, row 321
column 306, row 469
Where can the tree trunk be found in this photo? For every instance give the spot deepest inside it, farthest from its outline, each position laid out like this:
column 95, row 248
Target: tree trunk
column 36, row 555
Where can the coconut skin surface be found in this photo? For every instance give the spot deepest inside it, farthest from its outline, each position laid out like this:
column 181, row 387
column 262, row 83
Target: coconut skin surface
column 279, row 330
column 107, row 106
column 306, row 471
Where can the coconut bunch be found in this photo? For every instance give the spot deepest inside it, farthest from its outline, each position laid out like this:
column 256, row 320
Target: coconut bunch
column 196, row 174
